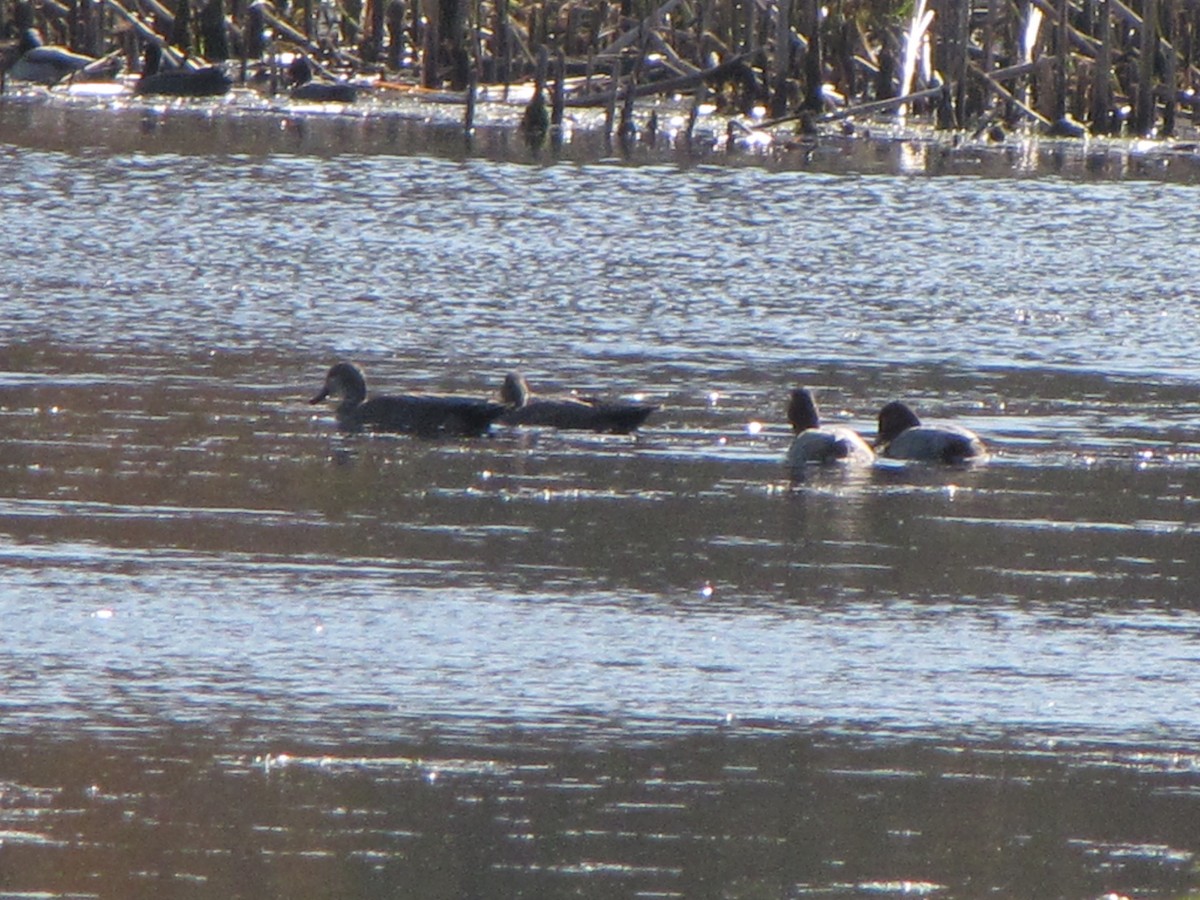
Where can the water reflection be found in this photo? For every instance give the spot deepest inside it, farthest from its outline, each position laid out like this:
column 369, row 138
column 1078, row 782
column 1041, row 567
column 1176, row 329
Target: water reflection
column 744, row 813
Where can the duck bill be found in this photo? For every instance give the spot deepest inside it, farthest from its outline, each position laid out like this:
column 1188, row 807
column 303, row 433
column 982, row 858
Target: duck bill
column 321, row 396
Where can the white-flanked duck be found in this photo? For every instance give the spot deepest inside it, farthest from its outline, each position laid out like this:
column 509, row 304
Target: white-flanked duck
column 44, row 64
column 422, row 414
column 568, row 412
column 902, row 436
column 815, row 443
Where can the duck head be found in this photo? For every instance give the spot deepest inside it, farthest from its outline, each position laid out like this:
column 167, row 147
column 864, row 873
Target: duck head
column 894, row 419
column 300, row 71
column 515, row 390
column 802, row 411
column 345, row 381
column 31, row 39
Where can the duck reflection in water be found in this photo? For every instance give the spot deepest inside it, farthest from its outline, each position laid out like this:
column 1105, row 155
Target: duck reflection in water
column 902, row 436
column 819, row 444
column 569, row 412
column 421, row 414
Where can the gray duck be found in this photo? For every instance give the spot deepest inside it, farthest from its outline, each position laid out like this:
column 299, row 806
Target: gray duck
column 45, row 64
column 568, row 412
column 422, row 414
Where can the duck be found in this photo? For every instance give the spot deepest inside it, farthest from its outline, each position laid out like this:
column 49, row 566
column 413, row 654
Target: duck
column 40, row 63
column 202, row 81
column 421, row 414
column 304, row 88
column 523, row 407
column 821, row 444
column 902, row 436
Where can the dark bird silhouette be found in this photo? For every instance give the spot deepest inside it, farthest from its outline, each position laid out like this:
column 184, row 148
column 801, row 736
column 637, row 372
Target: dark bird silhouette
column 568, row 412
column 159, row 79
column 423, row 414
column 304, row 88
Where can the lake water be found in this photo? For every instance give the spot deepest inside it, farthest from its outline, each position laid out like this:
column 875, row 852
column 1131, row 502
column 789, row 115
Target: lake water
column 244, row 655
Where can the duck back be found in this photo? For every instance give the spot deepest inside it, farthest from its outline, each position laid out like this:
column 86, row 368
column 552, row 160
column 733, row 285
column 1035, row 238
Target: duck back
column 424, row 414
column 828, row 444
column 936, row 443
column 581, row 415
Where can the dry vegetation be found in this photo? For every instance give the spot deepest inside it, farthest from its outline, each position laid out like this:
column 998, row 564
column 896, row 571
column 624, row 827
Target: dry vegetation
column 1068, row 65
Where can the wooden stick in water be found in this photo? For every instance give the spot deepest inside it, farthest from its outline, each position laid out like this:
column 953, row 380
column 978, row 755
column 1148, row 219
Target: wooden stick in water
column 149, row 35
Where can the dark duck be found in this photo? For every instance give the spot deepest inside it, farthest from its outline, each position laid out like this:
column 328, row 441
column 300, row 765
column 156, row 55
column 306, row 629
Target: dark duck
column 159, row 78
column 568, row 412
column 421, row 414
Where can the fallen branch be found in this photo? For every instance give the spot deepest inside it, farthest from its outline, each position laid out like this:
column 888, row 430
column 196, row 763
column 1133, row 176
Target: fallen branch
column 1088, row 46
column 1135, row 20
column 670, row 58
column 665, row 86
column 148, row 34
column 995, row 87
column 287, row 31
column 161, row 16
column 861, row 109
column 634, row 34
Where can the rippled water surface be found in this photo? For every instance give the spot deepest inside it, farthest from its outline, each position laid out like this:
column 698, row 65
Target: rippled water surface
column 245, row 655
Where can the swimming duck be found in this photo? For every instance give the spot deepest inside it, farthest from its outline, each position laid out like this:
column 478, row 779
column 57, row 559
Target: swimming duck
column 817, row 443
column 208, row 81
column 304, row 88
column 159, row 78
column 902, row 436
column 43, row 64
column 568, row 412
column 423, row 414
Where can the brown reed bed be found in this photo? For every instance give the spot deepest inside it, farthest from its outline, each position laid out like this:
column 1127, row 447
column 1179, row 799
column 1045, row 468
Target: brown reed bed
column 1065, row 67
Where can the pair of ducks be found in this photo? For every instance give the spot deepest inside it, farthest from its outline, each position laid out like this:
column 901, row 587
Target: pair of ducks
column 901, row 436
column 40, row 63
column 453, row 414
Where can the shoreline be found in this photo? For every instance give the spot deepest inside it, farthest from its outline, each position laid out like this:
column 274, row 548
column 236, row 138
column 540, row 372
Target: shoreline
column 107, row 117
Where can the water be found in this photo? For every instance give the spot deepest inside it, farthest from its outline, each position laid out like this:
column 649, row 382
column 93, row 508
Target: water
column 246, row 656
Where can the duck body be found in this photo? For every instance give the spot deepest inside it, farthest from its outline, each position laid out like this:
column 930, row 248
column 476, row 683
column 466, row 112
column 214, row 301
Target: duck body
column 42, row 64
column 523, row 407
column 903, row 436
column 325, row 92
column 307, row 90
column 818, row 444
column 208, row 81
column 421, row 414
column 829, row 444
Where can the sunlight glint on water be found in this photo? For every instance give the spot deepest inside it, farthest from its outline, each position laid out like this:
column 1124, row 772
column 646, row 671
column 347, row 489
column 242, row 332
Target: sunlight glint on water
column 247, row 655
